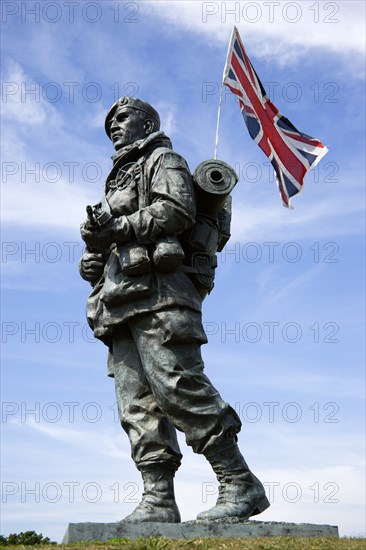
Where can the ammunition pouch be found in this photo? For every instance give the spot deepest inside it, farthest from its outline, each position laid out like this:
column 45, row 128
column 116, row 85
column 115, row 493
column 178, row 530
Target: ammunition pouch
column 168, row 254
column 134, row 259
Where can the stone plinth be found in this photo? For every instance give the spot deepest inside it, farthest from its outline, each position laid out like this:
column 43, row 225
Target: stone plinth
column 77, row 532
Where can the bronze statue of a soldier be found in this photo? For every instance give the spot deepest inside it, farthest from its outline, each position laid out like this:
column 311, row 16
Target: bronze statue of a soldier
column 146, row 308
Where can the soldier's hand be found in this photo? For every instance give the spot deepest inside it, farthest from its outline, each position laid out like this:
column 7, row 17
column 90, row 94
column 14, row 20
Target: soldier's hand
column 96, row 237
column 92, row 265
column 117, row 230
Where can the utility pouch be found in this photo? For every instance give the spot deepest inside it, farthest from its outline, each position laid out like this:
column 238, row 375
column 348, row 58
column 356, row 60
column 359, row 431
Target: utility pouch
column 168, row 254
column 134, row 259
column 224, row 222
column 204, row 234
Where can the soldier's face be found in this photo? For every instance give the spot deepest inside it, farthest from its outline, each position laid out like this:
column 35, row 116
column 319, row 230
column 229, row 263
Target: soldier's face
column 126, row 128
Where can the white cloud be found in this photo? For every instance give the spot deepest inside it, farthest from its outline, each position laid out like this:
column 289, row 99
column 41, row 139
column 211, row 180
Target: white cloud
column 96, row 116
column 283, row 33
column 309, row 378
column 38, row 188
column 321, row 219
column 283, row 290
column 18, row 87
column 106, row 443
column 167, row 117
column 60, row 205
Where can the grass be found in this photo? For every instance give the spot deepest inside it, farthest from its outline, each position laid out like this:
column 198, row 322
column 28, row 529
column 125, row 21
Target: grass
column 260, row 543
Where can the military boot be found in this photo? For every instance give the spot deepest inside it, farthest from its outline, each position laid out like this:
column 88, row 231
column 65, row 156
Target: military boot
column 241, row 494
column 158, row 501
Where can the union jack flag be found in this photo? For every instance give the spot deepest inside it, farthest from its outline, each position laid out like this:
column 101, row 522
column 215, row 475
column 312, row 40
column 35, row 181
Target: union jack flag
column 291, row 152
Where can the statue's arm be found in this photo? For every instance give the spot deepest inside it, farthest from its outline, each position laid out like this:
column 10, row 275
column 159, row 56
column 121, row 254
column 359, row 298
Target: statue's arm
column 172, row 201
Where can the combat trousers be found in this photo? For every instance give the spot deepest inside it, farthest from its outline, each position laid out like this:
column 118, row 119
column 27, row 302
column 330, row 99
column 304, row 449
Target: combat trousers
column 160, row 386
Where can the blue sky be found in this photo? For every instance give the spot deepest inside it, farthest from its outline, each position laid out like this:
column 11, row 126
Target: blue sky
column 286, row 318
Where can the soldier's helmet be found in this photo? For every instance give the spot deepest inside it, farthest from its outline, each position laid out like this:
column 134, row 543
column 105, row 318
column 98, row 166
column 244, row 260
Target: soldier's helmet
column 132, row 103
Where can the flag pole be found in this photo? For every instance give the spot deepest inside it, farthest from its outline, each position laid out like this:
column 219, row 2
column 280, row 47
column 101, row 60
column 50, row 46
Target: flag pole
column 226, row 69
column 218, row 122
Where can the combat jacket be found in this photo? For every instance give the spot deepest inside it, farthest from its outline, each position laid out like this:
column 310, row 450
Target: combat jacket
column 169, row 210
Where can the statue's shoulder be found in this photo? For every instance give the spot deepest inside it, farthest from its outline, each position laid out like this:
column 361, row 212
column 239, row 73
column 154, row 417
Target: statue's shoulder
column 168, row 158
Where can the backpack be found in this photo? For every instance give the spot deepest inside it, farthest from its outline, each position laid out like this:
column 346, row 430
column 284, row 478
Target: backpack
column 213, row 180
